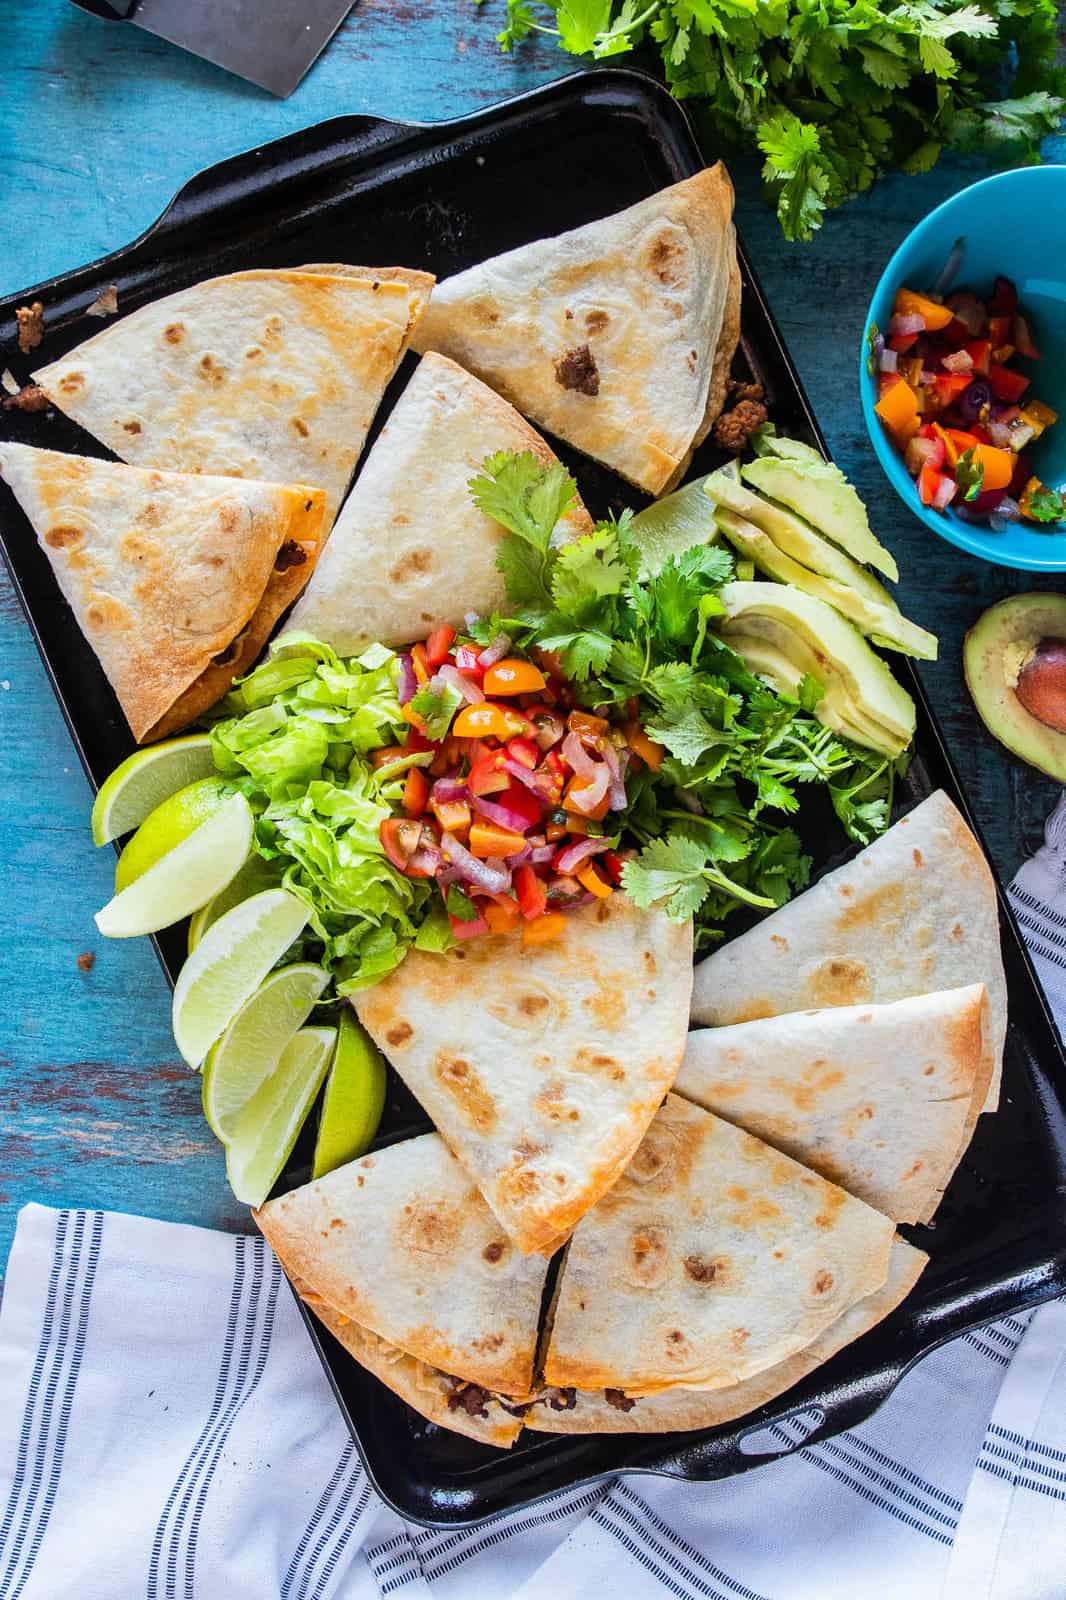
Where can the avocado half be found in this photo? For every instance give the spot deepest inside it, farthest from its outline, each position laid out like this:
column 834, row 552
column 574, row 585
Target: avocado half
column 1014, row 658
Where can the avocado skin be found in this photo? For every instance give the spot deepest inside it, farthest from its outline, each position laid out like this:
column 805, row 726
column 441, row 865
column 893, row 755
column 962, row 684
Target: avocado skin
column 991, row 654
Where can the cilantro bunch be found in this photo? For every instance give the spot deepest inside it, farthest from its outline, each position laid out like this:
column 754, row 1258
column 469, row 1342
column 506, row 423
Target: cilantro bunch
column 639, row 646
column 832, row 92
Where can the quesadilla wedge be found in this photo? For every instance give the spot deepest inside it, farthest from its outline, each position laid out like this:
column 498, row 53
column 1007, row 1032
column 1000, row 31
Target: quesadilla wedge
column 914, row 912
column 542, row 1065
column 410, row 548
column 711, row 1259
column 679, row 1410
column 174, row 579
column 401, row 1242
column 881, row 1099
column 718, row 388
column 607, row 335
column 263, row 374
column 445, row 1400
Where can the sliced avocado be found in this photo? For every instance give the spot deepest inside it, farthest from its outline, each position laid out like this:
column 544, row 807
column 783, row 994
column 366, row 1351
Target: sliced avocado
column 892, row 630
column 766, row 659
column 1015, row 653
column 818, row 640
column 796, row 538
column 820, row 492
column 768, row 442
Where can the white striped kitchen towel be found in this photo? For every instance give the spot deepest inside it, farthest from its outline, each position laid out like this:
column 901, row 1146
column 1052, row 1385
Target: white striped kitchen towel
column 166, row 1432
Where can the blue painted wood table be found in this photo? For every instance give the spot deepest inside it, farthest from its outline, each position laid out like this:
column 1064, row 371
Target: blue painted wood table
column 99, row 125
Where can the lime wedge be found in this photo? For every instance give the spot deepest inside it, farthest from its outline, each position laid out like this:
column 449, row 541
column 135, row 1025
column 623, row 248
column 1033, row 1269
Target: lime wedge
column 251, row 1047
column 165, row 827
column 144, row 780
column 254, row 876
column 230, row 962
column 267, row 1128
column 672, row 525
column 355, row 1098
column 185, row 879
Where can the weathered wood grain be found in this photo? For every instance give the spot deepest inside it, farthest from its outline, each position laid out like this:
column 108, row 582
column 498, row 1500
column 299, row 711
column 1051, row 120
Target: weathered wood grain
column 99, row 125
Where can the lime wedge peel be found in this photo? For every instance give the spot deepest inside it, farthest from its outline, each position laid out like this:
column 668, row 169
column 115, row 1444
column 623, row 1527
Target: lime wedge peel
column 229, row 964
column 354, row 1099
column 670, row 526
column 185, row 878
column 251, row 1047
column 163, row 829
column 267, row 1128
column 144, row 780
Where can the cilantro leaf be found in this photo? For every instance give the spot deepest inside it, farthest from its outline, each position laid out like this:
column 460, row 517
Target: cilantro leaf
column 1046, row 505
column 969, row 474
column 460, row 905
column 686, row 738
column 436, row 710
column 582, row 652
column 588, row 570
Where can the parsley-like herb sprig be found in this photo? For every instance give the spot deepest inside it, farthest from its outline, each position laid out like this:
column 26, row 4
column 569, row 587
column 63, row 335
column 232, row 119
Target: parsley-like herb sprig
column 735, row 749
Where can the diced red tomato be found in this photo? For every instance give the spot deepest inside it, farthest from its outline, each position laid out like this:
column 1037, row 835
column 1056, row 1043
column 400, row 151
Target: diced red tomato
column 525, row 751
column 438, row 645
column 532, row 895
column 613, row 864
column 574, row 788
column 417, row 742
column 387, row 755
column 400, row 838
column 956, row 335
column 929, row 481
column 468, row 930
column 901, row 342
column 980, row 353
column 949, row 385
column 487, row 775
column 517, row 798
column 1006, row 384
column 415, row 792
column 514, row 676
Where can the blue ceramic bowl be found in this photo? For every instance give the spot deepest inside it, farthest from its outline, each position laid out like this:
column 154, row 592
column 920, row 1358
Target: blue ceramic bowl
column 1015, row 224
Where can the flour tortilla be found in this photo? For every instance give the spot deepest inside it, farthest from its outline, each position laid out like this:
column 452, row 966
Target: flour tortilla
column 644, row 290
column 425, row 1389
column 881, row 1099
column 914, row 912
column 718, row 388
column 401, row 1242
column 542, row 1065
column 713, row 1258
column 678, row 1410
column 165, row 571
column 264, row 374
column 410, row 548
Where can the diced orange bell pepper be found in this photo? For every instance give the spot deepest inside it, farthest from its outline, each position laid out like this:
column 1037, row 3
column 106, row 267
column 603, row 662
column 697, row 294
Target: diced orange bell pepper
column 512, row 676
column 543, row 929
column 420, row 664
column 910, row 304
column 453, row 815
column 573, row 788
column 955, row 442
column 998, row 465
column 501, row 915
column 649, row 752
column 415, row 792
column 589, row 879
column 486, row 839
column 898, row 410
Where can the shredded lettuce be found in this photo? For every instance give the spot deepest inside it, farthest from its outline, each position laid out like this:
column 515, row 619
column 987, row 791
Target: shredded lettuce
column 294, row 739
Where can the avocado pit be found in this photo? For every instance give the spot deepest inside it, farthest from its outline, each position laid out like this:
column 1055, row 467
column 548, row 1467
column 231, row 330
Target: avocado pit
column 1041, row 686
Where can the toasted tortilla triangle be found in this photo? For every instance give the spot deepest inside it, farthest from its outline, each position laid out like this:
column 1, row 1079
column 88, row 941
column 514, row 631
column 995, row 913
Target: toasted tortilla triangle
column 542, row 1065
column 435, row 1395
column 410, row 548
column 881, row 1099
column 678, row 1410
column 914, row 912
column 265, row 374
column 712, row 1258
column 606, row 335
column 401, row 1242
column 168, row 574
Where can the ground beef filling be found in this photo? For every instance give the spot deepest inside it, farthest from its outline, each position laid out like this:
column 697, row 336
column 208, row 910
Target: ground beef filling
column 620, row 1401
column 734, row 428
column 471, row 1398
column 31, row 397
column 578, row 370
column 291, row 554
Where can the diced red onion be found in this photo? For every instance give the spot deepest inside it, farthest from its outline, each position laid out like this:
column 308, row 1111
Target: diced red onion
column 427, row 858
column 495, row 651
column 541, row 855
column 878, row 345
column 1008, row 510
column 449, row 791
column 616, row 789
column 520, row 858
column 586, row 797
column 958, row 361
column 889, row 360
column 523, row 775
column 498, row 864
column 572, row 855
column 944, row 493
column 578, row 758
column 502, row 815
column 922, row 453
column 407, row 687
column 927, row 379
column 912, row 322
column 472, row 870
column 1000, row 435
column 471, row 692
column 470, row 618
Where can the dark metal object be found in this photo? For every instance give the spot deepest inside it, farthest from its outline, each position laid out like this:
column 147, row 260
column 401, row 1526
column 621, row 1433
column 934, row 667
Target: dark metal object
column 444, row 197
column 269, row 42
